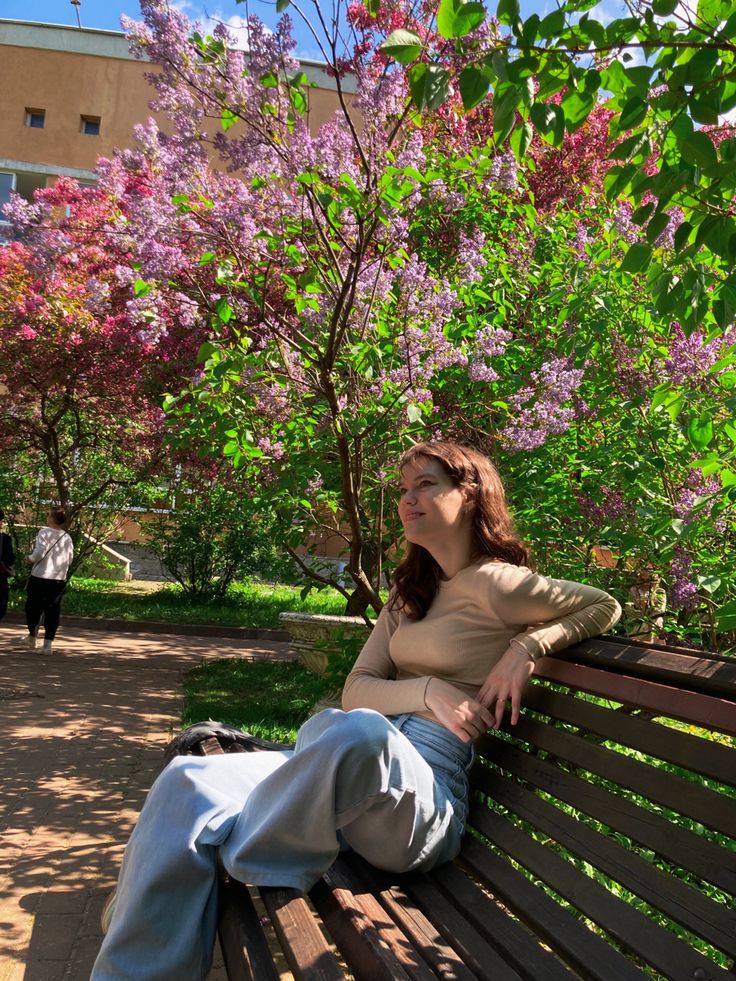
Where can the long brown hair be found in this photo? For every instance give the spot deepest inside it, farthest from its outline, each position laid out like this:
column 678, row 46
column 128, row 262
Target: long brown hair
column 416, row 580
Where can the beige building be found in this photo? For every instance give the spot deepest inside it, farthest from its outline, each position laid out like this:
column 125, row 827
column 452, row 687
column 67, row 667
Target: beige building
column 71, row 95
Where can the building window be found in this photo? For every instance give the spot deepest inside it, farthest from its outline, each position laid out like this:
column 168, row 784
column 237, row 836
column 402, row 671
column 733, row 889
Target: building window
column 91, row 125
column 36, row 118
column 7, row 184
column 27, row 184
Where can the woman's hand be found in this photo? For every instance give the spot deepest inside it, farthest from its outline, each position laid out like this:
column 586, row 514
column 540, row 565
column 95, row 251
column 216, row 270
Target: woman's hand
column 459, row 713
column 506, row 680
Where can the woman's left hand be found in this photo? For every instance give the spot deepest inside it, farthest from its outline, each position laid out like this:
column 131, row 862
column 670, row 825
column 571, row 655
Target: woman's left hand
column 506, row 680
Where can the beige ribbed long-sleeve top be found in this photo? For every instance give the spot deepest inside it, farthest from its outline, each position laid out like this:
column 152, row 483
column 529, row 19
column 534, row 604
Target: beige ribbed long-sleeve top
column 474, row 618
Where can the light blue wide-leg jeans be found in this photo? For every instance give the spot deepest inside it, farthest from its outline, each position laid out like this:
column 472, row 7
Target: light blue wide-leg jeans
column 392, row 790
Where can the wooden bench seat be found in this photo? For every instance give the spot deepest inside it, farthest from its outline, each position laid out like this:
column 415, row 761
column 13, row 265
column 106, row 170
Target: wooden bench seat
column 600, row 845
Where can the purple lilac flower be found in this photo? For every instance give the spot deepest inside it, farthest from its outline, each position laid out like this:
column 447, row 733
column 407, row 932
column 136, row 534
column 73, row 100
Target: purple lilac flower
column 504, row 171
column 696, row 486
column 555, row 384
column 692, row 357
column 470, row 256
column 610, row 508
column 581, row 242
column 683, row 592
column 270, row 448
column 489, row 342
column 623, row 224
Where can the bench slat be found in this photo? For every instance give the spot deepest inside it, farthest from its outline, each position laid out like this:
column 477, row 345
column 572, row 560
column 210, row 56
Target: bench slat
column 649, row 941
column 242, row 941
column 495, row 945
column 345, row 879
column 709, row 759
column 697, row 671
column 685, row 905
column 359, row 941
column 711, row 809
column 308, row 954
column 565, row 935
column 422, row 932
column 704, row 858
column 687, row 706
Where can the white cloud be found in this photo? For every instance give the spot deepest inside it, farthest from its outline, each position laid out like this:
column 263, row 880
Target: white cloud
column 235, row 23
column 606, row 11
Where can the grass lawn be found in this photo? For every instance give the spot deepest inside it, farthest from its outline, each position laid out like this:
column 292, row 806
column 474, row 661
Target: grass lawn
column 246, row 604
column 270, row 700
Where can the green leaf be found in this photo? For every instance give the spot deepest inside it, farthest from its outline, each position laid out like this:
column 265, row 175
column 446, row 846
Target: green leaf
column 576, row 107
column 549, row 121
column 269, row 80
column 720, row 237
column 224, row 310
column 551, row 25
column 682, row 234
column 705, row 108
column 698, row 149
column 657, row 225
column 506, row 99
column 429, row 85
column 632, row 114
column 726, row 617
column 141, row 287
column 456, row 18
column 403, row 46
column 709, row 583
column 282, row 5
column 473, row 86
column 713, row 11
column 700, row 432
column 641, row 215
column 508, row 12
column 618, row 179
column 637, row 258
column 521, row 139
column 413, row 412
column 372, row 6
column 227, row 119
column 663, row 8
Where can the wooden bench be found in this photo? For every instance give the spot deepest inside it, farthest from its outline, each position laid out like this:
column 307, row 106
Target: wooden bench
column 600, row 845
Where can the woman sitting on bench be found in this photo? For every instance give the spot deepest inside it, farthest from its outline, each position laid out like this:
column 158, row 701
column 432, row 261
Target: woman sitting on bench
column 387, row 777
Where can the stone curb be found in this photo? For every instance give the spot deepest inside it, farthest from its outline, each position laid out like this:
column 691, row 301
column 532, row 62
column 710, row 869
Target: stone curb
column 159, row 627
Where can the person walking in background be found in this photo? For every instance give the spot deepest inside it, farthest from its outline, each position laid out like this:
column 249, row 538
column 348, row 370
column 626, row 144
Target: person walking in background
column 50, row 560
column 7, row 558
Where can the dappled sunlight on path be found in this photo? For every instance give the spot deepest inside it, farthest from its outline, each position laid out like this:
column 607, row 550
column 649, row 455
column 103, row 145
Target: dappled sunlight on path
column 82, row 738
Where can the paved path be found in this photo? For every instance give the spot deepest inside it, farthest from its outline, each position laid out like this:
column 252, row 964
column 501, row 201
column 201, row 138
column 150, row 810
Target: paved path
column 82, row 733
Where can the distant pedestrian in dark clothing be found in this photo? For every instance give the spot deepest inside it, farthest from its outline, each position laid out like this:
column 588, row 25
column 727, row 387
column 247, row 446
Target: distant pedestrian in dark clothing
column 7, row 558
column 51, row 557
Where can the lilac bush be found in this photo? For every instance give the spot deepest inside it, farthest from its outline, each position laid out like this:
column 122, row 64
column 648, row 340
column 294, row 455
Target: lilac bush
column 361, row 287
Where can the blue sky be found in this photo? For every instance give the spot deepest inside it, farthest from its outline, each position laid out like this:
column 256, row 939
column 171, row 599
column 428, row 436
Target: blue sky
column 106, row 14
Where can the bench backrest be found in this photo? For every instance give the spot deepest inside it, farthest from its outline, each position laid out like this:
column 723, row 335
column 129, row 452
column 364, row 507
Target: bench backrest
column 604, row 821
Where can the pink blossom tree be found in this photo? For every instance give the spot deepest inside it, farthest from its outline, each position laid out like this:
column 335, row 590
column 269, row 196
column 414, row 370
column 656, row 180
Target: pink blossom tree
column 84, row 360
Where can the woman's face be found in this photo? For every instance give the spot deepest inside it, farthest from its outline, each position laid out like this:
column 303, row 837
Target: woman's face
column 430, row 505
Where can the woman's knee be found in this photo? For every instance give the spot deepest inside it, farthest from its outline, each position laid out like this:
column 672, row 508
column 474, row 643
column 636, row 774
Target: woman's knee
column 360, row 729
column 178, row 780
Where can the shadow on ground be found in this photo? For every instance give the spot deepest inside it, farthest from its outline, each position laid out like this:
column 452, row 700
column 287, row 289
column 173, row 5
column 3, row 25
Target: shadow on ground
column 82, row 740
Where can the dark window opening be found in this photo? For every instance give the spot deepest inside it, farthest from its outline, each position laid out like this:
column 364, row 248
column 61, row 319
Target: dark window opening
column 91, row 125
column 36, row 118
